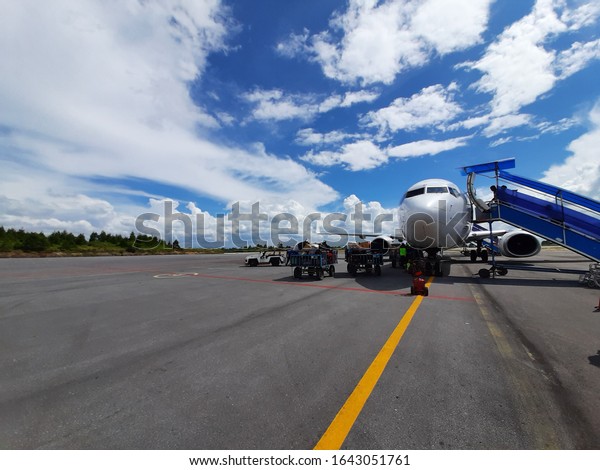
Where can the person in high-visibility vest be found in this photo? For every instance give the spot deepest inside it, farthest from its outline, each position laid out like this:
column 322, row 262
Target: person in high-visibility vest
column 402, row 253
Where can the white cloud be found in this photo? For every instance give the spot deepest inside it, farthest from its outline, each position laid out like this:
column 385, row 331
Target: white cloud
column 304, row 223
column 365, row 155
column 495, row 125
column 470, row 123
column 557, row 127
column 374, row 41
column 518, row 68
column 294, row 45
column 576, row 58
column 94, row 89
column 501, row 141
column 499, row 124
column 42, row 201
column 308, row 137
column 583, row 15
column 580, row 172
column 356, row 156
column 361, row 96
column 277, row 105
column 451, row 26
column 432, row 106
column 426, row 147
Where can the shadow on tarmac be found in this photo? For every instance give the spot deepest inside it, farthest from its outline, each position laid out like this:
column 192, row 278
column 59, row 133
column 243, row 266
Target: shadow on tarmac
column 397, row 279
column 508, row 281
column 595, row 360
column 390, row 279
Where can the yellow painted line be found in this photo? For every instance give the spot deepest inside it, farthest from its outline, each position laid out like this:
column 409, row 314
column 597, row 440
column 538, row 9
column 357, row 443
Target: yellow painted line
column 338, row 430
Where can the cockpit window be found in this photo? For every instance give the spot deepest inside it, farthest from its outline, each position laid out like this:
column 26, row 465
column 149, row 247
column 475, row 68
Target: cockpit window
column 414, row 192
column 437, row 189
column 454, row 192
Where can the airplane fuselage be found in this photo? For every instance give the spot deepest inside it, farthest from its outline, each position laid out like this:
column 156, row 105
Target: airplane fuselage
column 434, row 214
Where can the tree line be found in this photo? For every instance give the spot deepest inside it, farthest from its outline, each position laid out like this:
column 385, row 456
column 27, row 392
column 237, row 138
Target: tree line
column 11, row 240
column 63, row 241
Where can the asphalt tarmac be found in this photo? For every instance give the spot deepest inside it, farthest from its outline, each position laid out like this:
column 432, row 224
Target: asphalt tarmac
column 200, row 352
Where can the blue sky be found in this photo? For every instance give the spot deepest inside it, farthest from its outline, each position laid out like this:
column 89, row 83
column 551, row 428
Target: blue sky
column 107, row 109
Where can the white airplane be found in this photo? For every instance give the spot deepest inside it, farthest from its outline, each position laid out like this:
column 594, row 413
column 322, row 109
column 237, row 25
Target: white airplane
column 436, row 215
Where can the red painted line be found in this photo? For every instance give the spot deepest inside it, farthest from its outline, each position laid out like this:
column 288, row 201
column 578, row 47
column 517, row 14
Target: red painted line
column 90, row 272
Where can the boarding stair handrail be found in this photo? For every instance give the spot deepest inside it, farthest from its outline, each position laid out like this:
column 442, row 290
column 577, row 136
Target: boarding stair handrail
column 570, row 220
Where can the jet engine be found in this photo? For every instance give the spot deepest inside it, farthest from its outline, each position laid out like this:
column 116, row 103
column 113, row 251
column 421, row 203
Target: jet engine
column 519, row 244
column 382, row 244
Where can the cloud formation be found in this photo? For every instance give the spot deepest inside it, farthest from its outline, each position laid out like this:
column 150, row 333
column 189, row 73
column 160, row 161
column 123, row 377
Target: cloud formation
column 365, row 155
column 432, row 106
column 97, row 98
column 277, row 105
column 580, row 172
column 521, row 65
column 97, row 89
column 372, row 42
column 356, row 156
column 426, row 147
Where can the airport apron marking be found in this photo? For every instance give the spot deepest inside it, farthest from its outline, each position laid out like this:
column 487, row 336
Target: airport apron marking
column 300, row 284
column 542, row 429
column 338, row 430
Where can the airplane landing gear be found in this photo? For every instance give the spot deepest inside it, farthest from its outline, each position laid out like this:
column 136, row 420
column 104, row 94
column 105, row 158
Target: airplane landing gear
column 434, row 268
column 480, row 252
column 434, row 263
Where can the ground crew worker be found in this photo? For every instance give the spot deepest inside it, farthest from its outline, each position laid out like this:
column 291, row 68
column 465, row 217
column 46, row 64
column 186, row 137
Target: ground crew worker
column 402, row 253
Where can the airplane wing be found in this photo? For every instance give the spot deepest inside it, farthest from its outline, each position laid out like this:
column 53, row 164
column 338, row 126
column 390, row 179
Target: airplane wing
column 361, row 235
column 481, row 235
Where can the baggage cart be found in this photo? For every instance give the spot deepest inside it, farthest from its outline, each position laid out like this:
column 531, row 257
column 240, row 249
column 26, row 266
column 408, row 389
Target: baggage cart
column 315, row 263
column 364, row 260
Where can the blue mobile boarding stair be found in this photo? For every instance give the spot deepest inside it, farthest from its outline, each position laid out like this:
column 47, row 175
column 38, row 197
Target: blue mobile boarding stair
column 563, row 217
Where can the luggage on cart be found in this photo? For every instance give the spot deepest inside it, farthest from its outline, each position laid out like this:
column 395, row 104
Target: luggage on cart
column 363, row 259
column 314, row 262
